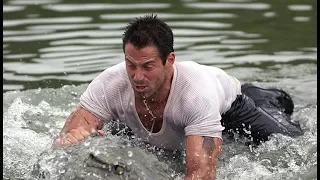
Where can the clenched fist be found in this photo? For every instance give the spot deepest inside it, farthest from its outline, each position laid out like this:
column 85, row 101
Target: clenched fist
column 74, row 136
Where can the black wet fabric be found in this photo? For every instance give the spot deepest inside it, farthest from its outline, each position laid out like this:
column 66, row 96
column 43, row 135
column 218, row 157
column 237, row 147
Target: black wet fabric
column 259, row 112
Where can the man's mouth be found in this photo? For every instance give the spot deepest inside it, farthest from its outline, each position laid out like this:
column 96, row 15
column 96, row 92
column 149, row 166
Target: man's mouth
column 140, row 88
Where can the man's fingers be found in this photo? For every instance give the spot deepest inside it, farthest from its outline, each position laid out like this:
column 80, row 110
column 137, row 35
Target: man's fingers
column 95, row 132
column 84, row 132
column 77, row 134
column 70, row 138
column 74, row 136
column 59, row 142
column 101, row 133
column 65, row 141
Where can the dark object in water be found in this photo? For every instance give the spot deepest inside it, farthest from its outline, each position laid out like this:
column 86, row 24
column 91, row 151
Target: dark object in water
column 260, row 112
column 269, row 98
column 100, row 158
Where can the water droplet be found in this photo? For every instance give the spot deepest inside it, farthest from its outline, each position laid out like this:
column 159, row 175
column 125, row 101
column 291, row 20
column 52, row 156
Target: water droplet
column 62, row 171
column 129, row 162
column 86, row 143
column 47, row 125
column 38, row 123
column 130, row 153
column 97, row 152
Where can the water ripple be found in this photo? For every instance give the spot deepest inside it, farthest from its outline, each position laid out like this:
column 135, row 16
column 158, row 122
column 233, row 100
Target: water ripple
column 97, row 41
column 17, row 22
column 62, row 35
column 301, row 19
column 243, row 41
column 11, row 87
column 76, row 53
column 33, row 2
column 198, row 32
column 199, row 39
column 169, row 16
column 299, row 7
column 236, row 1
column 93, row 7
column 219, row 46
column 269, row 14
column 70, row 77
column 71, row 48
column 314, row 49
column 259, row 58
column 19, row 56
column 26, row 32
column 76, row 58
column 199, row 24
column 24, row 68
column 7, row 8
column 78, row 26
column 249, row 6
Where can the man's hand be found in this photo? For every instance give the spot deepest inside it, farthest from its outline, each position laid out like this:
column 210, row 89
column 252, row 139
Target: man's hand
column 201, row 157
column 74, row 136
column 79, row 125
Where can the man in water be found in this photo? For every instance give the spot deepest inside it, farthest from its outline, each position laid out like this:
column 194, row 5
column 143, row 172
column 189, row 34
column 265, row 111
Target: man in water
column 174, row 105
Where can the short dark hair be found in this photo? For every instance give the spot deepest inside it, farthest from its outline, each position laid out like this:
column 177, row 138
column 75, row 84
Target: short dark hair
column 149, row 30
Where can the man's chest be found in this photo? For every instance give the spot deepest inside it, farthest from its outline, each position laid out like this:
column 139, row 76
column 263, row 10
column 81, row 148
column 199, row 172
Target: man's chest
column 151, row 115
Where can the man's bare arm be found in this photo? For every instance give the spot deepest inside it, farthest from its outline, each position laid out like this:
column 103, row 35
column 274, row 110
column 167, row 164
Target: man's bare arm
column 78, row 125
column 201, row 157
column 81, row 118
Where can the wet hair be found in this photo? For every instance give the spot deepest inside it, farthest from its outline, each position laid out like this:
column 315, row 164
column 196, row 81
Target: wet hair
column 149, row 31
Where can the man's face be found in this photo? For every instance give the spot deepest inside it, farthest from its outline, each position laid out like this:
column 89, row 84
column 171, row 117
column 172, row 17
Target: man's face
column 145, row 70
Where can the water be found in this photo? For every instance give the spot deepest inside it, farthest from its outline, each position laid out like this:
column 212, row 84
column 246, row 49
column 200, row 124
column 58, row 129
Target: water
column 52, row 49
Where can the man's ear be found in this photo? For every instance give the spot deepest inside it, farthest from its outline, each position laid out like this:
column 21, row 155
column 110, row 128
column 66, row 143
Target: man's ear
column 170, row 59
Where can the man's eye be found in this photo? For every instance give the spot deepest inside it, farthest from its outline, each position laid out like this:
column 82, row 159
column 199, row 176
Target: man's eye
column 148, row 67
column 130, row 65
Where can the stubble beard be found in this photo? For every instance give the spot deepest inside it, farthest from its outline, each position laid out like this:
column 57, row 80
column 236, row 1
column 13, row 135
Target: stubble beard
column 152, row 93
column 149, row 94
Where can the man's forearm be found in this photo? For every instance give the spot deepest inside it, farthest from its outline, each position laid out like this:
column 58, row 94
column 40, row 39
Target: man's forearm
column 201, row 157
column 81, row 118
column 79, row 125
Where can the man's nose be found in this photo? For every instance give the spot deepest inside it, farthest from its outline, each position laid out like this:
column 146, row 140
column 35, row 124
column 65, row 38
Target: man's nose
column 138, row 75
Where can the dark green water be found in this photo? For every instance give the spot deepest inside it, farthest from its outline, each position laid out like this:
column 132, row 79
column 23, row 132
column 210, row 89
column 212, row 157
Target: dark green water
column 52, row 43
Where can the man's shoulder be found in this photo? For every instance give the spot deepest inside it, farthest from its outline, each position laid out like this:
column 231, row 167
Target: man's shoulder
column 195, row 82
column 193, row 75
column 115, row 72
column 187, row 64
column 112, row 80
column 197, row 68
column 115, row 69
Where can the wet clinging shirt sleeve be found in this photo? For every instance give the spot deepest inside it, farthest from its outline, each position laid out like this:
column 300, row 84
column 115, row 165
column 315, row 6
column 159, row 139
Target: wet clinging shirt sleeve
column 94, row 100
column 203, row 118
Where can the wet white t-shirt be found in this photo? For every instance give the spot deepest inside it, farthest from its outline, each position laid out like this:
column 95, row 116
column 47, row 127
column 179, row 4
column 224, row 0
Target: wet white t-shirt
column 198, row 96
